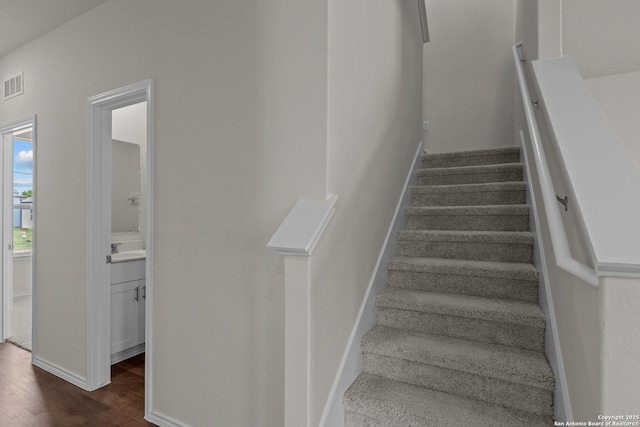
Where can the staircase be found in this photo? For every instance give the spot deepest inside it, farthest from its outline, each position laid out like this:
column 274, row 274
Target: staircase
column 460, row 337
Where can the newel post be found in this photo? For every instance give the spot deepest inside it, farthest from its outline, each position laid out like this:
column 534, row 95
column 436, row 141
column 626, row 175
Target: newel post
column 295, row 239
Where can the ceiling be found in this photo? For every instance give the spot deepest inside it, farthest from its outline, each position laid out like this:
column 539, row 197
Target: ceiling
column 24, row 20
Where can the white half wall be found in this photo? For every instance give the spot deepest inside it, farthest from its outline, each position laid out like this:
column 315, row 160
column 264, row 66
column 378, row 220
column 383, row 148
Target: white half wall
column 620, row 347
column 596, row 325
column 575, row 305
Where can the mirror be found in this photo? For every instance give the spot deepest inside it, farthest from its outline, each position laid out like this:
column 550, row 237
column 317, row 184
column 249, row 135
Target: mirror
column 125, row 187
column 129, row 173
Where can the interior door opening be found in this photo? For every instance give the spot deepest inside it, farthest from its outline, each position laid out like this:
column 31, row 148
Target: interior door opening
column 120, row 232
column 128, row 229
column 18, row 232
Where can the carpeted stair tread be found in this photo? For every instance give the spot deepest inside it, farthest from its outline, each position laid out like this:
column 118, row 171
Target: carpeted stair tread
column 529, row 368
column 472, row 157
column 502, row 172
column 376, row 402
column 506, row 237
column 511, row 193
column 503, row 270
column 490, row 309
column 481, row 388
column 474, row 318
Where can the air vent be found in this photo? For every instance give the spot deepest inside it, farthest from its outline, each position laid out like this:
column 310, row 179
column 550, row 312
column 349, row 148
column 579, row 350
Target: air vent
column 13, row 86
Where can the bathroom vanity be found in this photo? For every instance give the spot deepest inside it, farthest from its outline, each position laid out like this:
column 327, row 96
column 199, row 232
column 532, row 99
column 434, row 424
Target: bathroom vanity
column 128, row 299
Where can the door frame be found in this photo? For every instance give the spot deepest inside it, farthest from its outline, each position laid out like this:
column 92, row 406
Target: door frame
column 6, row 260
column 99, row 232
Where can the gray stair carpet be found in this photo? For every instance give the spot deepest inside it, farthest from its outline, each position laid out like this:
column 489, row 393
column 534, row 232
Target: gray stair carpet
column 459, row 339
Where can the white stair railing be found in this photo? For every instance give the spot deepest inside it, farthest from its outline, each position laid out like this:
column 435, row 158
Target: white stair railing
column 559, row 241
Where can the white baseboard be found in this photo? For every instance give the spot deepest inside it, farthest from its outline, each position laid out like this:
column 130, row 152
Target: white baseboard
column 60, row 372
column 562, row 402
column 163, row 420
column 128, row 353
column 351, row 365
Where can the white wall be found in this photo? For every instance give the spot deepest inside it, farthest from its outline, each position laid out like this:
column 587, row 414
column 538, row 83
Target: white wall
column 601, row 36
column 249, row 78
column 375, row 75
column 526, row 31
column 618, row 97
column 549, row 29
column 468, row 74
column 539, row 26
column 527, row 27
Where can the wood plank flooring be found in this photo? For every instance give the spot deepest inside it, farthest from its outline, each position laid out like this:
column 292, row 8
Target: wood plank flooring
column 31, row 397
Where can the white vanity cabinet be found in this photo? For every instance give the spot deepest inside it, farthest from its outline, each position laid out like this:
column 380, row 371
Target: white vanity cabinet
column 128, row 299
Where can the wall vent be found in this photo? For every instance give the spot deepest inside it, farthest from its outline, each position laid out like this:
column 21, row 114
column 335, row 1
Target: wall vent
column 13, row 86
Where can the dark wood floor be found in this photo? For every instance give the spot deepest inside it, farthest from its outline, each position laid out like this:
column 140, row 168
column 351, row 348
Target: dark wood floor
column 31, row 397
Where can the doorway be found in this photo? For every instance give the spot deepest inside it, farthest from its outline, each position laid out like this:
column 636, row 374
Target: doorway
column 18, row 232
column 128, row 230
column 114, row 255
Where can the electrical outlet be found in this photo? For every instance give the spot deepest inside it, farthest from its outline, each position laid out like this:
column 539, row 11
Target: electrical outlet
column 425, row 125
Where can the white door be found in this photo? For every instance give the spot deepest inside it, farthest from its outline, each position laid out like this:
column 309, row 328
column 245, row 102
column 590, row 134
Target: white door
column 7, row 236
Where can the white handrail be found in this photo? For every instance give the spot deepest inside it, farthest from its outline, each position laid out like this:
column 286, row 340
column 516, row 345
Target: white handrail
column 561, row 249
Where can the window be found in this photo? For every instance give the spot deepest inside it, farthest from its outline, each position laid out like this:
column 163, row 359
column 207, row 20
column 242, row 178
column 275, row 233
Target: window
column 22, row 192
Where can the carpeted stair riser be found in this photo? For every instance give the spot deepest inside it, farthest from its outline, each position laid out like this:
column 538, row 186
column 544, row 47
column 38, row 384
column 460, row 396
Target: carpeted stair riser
column 448, row 219
column 508, row 193
column 488, row 287
column 483, row 247
column 473, row 278
column 470, row 175
column 507, row 334
column 471, row 158
column 355, row 419
column 379, row 402
column 481, row 388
